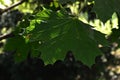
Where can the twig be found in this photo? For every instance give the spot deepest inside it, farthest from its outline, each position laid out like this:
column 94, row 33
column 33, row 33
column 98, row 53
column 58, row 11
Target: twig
column 6, row 36
column 12, row 6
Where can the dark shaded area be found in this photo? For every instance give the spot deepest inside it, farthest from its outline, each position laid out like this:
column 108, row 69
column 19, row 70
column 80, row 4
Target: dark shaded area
column 68, row 69
column 10, row 18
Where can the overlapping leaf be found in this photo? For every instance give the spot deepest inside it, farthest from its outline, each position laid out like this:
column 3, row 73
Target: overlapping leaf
column 18, row 45
column 105, row 8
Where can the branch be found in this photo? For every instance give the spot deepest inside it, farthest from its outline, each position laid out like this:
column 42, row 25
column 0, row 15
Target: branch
column 12, row 6
column 6, row 36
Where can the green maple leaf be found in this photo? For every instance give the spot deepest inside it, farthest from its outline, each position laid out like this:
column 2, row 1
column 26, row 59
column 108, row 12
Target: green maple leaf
column 59, row 33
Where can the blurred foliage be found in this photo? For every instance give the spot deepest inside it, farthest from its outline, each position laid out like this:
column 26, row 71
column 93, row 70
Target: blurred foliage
column 27, row 6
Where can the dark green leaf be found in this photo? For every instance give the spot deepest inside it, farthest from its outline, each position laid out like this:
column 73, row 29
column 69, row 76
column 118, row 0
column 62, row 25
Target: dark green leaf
column 105, row 8
column 17, row 44
column 57, row 35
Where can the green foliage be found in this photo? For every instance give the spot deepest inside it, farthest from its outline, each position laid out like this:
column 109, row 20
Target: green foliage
column 54, row 30
column 18, row 45
column 105, row 8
